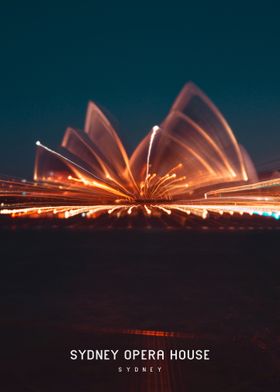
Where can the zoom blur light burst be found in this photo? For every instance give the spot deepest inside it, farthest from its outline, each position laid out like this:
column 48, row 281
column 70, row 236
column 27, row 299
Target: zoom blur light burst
column 190, row 164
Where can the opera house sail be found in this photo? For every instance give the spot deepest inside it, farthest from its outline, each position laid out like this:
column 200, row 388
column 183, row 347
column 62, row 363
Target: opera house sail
column 190, row 164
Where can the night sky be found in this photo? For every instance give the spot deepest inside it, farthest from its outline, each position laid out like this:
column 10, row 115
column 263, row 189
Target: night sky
column 132, row 59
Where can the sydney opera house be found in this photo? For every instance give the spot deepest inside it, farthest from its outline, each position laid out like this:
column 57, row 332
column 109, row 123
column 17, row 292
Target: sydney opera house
column 190, row 164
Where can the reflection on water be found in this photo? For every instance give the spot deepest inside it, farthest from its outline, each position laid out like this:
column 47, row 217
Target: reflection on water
column 137, row 290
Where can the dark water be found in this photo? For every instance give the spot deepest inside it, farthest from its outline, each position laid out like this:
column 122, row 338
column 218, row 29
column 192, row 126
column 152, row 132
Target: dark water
column 63, row 288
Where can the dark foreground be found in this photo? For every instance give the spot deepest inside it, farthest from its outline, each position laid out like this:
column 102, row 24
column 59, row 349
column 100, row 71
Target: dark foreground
column 68, row 288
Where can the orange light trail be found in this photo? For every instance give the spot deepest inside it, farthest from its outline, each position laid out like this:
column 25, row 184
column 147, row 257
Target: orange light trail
column 190, row 164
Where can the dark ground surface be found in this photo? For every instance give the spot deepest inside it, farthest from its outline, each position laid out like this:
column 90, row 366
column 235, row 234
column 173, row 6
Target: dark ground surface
column 64, row 288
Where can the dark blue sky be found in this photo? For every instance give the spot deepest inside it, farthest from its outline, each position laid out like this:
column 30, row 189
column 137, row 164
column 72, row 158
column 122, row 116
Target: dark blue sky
column 133, row 58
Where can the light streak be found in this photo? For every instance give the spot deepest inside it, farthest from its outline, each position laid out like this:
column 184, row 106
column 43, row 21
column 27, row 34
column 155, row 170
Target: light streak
column 192, row 168
column 154, row 132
